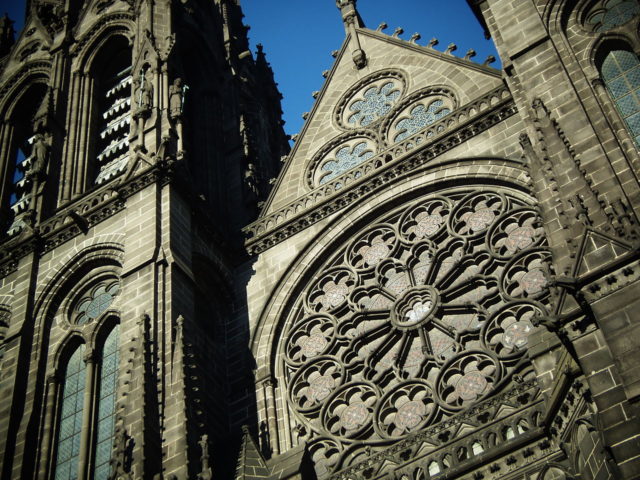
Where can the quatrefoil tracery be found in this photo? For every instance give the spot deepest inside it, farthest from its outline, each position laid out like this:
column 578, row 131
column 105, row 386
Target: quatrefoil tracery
column 419, row 316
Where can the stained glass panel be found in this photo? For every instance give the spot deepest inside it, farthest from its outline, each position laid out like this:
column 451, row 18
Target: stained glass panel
column 346, row 158
column 71, row 418
column 621, row 73
column 96, row 302
column 377, row 102
column 106, row 405
column 609, row 14
column 420, row 116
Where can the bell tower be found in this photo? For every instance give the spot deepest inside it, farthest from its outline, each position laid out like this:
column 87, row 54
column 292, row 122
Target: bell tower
column 136, row 139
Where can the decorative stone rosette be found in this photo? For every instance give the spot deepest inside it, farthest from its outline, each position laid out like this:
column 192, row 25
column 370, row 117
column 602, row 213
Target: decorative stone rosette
column 421, row 315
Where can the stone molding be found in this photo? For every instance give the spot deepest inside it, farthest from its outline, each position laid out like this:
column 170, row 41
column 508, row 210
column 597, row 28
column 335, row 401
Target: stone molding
column 409, row 154
column 491, row 408
column 76, row 218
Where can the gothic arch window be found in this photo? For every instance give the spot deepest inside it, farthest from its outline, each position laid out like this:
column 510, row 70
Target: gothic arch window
column 620, row 71
column 425, row 312
column 609, row 14
column 340, row 156
column 112, row 79
column 88, row 427
column 370, row 100
column 69, row 436
column 17, row 145
column 426, row 110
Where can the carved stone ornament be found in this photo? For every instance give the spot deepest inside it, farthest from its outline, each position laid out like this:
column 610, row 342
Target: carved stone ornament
column 425, row 312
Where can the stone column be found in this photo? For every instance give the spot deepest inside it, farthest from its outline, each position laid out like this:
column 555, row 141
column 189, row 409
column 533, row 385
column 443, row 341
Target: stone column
column 87, row 417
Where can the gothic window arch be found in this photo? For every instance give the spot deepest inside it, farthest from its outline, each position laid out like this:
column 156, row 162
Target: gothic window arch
column 85, row 428
column 423, row 313
column 98, row 143
column 112, row 79
column 606, row 15
column 18, row 136
column 620, row 72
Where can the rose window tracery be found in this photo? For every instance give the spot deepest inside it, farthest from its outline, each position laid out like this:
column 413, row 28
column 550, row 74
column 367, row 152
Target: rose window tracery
column 422, row 314
column 95, row 302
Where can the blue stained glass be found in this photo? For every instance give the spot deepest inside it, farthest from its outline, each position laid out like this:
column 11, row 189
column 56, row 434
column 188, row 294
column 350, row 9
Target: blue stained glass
column 346, row 159
column 615, row 13
column 621, row 73
column 71, row 417
column 619, row 14
column 377, row 103
column 420, row 117
column 106, row 405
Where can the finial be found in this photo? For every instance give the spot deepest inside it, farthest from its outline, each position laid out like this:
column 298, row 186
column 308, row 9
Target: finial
column 397, row 32
column 470, row 54
column 452, row 47
column 433, row 42
column 382, row 26
column 350, row 13
column 415, row 37
column 352, row 22
column 490, row 59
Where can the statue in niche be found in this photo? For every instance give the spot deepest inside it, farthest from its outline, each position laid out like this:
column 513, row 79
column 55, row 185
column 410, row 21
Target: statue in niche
column 39, row 156
column 145, row 92
column 177, row 93
column 251, row 184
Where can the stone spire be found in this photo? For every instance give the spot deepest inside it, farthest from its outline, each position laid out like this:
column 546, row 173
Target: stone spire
column 7, row 35
column 352, row 21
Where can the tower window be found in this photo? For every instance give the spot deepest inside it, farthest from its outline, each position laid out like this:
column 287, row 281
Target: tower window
column 114, row 120
column 621, row 74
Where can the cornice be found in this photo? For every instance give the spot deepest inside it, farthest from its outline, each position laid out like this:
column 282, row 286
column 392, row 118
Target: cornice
column 409, row 154
column 76, row 218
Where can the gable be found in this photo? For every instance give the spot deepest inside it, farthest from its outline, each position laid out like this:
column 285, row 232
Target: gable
column 416, row 84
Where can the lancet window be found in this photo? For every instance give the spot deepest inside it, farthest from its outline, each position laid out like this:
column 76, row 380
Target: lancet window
column 86, row 427
column 114, row 119
column 621, row 74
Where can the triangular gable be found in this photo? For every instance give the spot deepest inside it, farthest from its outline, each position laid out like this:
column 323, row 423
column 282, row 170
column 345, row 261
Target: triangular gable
column 419, row 68
column 596, row 250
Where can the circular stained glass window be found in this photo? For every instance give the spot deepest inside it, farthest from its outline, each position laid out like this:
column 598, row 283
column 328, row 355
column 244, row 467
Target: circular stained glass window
column 422, row 314
column 96, row 302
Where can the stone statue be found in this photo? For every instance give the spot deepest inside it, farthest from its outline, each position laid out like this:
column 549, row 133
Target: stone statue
column 251, row 184
column 39, row 154
column 176, row 98
column 145, row 94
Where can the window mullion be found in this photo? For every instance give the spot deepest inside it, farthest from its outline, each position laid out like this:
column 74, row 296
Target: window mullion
column 88, row 417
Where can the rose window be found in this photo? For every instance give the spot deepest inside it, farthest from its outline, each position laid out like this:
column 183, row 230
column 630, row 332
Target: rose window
column 424, row 313
column 96, row 302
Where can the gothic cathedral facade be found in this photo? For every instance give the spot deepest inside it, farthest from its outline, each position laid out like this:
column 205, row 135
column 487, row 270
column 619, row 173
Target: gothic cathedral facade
column 438, row 280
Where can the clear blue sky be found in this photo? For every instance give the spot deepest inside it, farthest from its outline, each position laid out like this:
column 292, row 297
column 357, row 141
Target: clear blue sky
column 299, row 35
